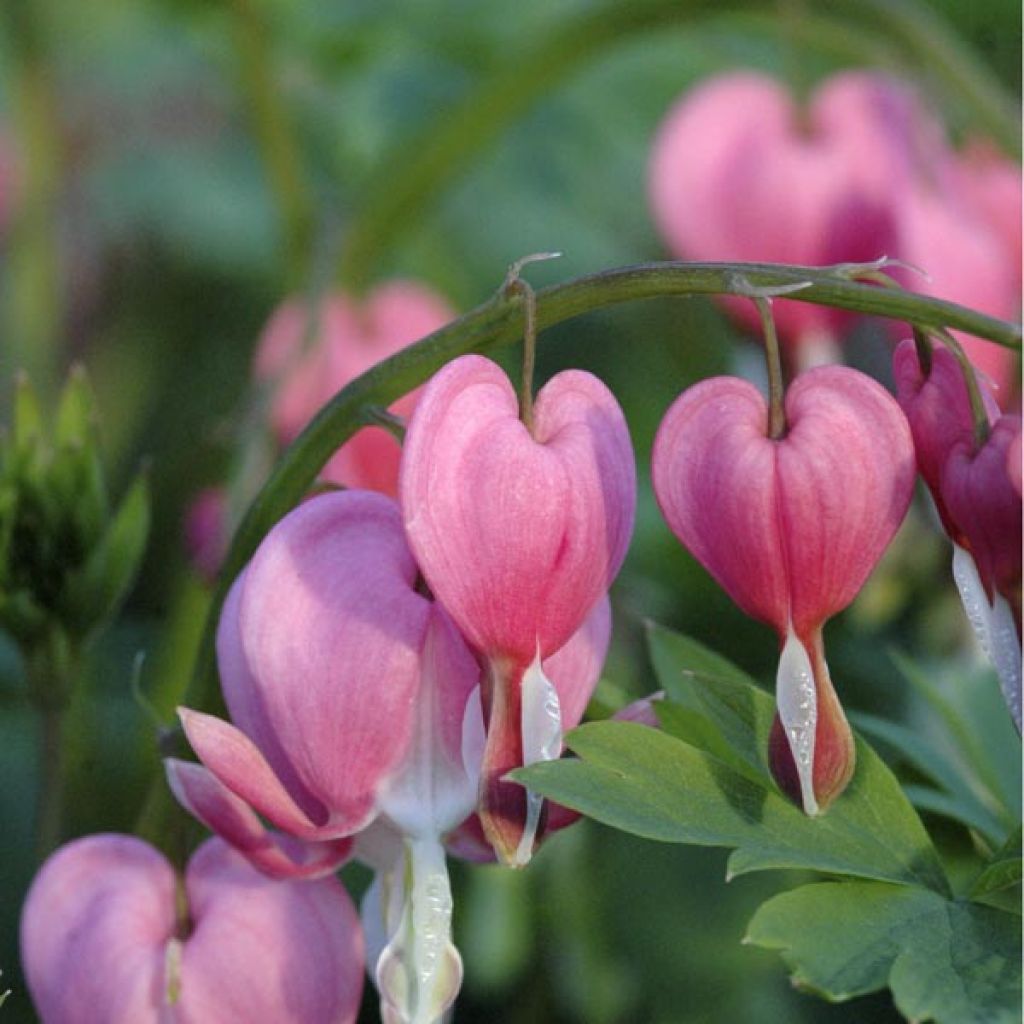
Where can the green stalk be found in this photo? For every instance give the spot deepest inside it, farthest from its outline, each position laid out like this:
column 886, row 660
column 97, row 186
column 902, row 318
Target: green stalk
column 51, row 668
column 281, row 156
column 423, row 166
column 35, row 285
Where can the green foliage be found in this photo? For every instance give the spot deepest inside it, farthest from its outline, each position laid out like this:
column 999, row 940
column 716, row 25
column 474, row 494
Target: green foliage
column 703, row 779
column 945, row 960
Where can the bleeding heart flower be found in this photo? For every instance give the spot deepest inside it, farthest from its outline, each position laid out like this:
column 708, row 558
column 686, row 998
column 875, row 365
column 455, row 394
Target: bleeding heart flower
column 983, row 498
column 355, row 700
column 739, row 172
column 977, row 495
column 345, row 338
column 790, row 528
column 110, row 935
column 518, row 535
column 938, row 410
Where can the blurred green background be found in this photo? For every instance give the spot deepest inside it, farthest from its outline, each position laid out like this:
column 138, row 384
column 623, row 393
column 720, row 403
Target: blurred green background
column 149, row 240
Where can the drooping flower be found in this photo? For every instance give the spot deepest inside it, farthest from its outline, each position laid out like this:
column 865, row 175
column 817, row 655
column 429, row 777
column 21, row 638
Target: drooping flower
column 976, row 489
column 110, row 935
column 518, row 535
column 352, row 695
column 308, row 353
column 790, row 528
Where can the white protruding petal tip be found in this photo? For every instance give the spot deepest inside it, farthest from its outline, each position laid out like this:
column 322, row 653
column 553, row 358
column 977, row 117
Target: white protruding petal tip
column 797, row 702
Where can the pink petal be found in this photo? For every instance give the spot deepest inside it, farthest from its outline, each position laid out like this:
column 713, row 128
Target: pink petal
column 238, row 763
column 94, row 928
column 576, row 667
column 332, row 629
column 273, row 854
column 939, row 413
column 790, row 528
column 267, row 952
column 984, row 501
column 517, row 535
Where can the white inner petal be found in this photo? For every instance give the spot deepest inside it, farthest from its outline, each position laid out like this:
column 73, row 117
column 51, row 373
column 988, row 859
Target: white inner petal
column 994, row 628
column 542, row 741
column 797, row 703
column 419, row 971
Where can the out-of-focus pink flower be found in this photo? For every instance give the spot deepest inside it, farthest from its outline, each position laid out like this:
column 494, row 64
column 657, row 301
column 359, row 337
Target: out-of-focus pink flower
column 966, row 262
column 355, row 702
column 309, row 352
column 738, row 172
column 791, row 529
column 206, row 532
column 990, row 185
column 518, row 536
column 574, row 671
column 104, row 940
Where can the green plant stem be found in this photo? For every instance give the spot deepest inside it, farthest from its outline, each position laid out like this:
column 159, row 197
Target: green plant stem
column 35, row 287
column 281, row 156
column 52, row 669
column 773, row 360
column 421, row 167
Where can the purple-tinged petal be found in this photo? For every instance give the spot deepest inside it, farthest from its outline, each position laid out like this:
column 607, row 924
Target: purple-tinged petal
column 233, row 820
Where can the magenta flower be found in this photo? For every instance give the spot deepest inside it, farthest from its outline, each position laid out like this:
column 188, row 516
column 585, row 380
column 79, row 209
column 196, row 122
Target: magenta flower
column 352, row 695
column 518, row 535
column 977, row 495
column 790, row 528
column 306, row 363
column 738, row 172
column 110, row 935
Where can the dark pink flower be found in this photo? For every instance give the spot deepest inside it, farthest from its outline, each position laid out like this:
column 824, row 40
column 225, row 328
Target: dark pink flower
column 791, row 529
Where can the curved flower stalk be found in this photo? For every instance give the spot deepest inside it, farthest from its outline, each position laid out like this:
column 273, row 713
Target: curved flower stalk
column 352, row 697
column 345, row 339
column 790, row 528
column 110, row 935
column 737, row 171
column 977, row 493
column 518, row 534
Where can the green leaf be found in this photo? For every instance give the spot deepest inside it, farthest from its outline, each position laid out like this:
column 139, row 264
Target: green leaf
column 1002, row 871
column 707, row 684
column 959, row 801
column 951, row 962
column 28, row 416
column 94, row 593
column 642, row 781
column 75, row 415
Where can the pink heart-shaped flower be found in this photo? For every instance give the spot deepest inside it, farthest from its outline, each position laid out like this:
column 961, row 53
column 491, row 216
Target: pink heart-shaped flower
column 790, row 528
column 103, row 940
